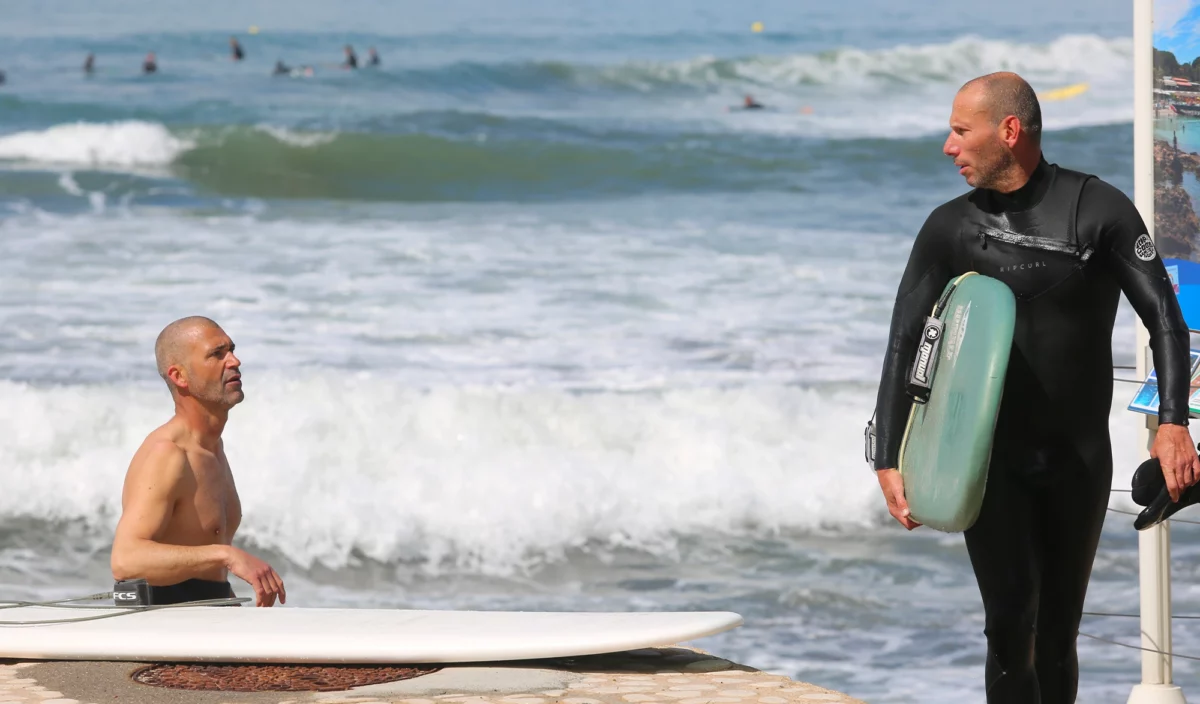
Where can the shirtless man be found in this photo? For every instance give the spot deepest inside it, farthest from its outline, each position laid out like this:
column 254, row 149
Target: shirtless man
column 180, row 508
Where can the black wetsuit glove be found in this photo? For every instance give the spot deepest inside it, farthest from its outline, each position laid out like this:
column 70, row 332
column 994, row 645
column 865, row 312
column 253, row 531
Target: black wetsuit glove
column 1150, row 490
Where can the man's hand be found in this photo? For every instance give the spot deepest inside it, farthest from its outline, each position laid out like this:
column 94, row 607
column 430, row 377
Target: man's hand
column 1176, row 453
column 266, row 582
column 893, row 490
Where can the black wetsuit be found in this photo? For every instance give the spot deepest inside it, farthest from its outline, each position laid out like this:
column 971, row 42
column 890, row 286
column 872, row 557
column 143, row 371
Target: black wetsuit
column 1067, row 244
column 191, row 590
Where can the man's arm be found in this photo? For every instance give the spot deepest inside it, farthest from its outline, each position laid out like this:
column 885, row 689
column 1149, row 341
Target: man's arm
column 928, row 271
column 1143, row 278
column 152, row 486
column 925, row 277
column 1132, row 260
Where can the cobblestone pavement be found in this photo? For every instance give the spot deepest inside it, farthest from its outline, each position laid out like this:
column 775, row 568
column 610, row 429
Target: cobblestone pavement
column 669, row 675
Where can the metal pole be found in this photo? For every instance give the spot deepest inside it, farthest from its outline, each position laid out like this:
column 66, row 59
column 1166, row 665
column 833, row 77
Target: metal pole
column 1154, row 560
column 1154, row 544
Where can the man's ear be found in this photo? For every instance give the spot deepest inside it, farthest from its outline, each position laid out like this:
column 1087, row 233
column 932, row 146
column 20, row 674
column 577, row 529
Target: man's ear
column 178, row 376
column 1010, row 129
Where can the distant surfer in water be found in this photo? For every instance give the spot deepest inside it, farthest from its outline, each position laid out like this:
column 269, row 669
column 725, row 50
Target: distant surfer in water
column 748, row 103
column 89, row 64
column 150, row 64
column 179, row 506
column 1067, row 244
column 351, row 58
column 282, row 69
column 372, row 57
column 235, row 49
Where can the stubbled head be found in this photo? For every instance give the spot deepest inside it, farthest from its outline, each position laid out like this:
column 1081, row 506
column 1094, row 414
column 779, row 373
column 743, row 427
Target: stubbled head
column 195, row 357
column 995, row 122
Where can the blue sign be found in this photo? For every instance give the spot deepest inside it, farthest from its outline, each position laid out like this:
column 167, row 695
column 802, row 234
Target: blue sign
column 1185, row 276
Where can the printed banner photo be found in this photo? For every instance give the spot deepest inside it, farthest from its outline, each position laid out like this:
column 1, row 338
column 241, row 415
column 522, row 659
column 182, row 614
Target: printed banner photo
column 1177, row 148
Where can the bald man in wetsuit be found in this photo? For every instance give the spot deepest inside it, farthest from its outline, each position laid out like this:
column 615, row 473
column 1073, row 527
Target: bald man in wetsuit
column 1067, row 244
column 180, row 508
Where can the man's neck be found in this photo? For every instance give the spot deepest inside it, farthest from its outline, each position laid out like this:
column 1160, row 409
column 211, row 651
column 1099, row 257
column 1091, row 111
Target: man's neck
column 206, row 423
column 1017, row 175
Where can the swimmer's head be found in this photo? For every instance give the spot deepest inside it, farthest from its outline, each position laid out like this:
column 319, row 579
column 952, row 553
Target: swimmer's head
column 195, row 357
column 995, row 123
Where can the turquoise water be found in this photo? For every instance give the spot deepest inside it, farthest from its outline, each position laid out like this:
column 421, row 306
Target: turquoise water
column 530, row 317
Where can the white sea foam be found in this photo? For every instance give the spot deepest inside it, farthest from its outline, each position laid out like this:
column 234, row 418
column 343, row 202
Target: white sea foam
column 1067, row 59
column 297, row 138
column 122, row 144
column 330, row 465
column 897, row 92
column 530, row 387
column 477, row 300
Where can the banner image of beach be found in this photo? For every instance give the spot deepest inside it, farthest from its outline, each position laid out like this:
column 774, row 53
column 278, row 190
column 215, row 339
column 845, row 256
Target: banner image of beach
column 1176, row 147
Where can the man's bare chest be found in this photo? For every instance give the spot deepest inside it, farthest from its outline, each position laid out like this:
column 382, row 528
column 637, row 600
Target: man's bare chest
column 215, row 508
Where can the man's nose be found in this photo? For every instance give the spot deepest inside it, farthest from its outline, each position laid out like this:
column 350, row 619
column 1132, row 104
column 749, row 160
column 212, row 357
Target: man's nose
column 950, row 148
column 233, row 361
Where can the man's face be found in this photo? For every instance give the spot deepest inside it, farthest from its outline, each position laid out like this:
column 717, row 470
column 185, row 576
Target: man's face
column 975, row 143
column 213, row 369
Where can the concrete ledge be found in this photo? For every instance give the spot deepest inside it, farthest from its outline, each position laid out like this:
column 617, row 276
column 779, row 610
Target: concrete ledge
column 669, row 675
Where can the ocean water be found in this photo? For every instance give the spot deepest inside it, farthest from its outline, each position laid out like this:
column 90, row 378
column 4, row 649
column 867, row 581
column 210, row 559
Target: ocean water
column 529, row 318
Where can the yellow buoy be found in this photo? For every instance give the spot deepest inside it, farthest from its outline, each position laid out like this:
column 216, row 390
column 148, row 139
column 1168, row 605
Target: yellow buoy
column 254, row 29
column 1064, row 93
column 756, row 27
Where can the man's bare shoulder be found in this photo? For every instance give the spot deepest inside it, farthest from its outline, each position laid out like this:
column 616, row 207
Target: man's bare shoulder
column 161, row 460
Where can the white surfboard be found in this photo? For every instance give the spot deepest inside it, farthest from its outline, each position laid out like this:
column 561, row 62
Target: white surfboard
column 303, row 635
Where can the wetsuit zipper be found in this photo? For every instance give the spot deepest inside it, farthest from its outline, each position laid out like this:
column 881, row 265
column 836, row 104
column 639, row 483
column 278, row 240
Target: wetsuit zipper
column 1081, row 255
column 1046, row 244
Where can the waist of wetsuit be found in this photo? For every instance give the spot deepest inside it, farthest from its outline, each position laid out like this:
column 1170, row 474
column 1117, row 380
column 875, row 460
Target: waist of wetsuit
column 191, row 590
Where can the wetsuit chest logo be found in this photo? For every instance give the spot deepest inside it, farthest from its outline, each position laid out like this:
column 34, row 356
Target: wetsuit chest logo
column 1022, row 266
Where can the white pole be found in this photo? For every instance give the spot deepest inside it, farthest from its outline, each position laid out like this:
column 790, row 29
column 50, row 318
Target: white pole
column 1154, row 560
column 1154, row 544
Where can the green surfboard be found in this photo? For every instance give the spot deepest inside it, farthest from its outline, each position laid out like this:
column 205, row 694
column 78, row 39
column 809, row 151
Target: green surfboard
column 948, row 442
